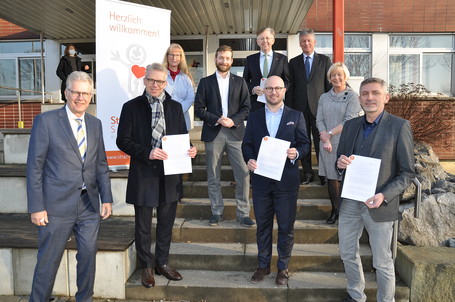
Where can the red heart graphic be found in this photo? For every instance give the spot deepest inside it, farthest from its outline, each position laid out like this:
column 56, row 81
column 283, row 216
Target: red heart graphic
column 138, row 71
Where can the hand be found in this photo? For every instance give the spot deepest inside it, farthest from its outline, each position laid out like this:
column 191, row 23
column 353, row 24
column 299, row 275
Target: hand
column 225, row 122
column 192, row 152
column 258, row 90
column 158, row 153
column 343, row 161
column 252, row 165
column 292, row 153
column 375, row 201
column 106, row 210
column 324, row 136
column 328, row 146
column 39, row 218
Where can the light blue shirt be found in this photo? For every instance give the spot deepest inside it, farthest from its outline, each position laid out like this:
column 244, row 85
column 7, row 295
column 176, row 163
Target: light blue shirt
column 181, row 90
column 269, row 60
column 273, row 119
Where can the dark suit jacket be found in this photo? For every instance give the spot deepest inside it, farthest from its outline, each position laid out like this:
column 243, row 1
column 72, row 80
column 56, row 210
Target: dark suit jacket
column 55, row 170
column 252, row 74
column 207, row 106
column 304, row 93
column 292, row 129
column 134, row 137
column 393, row 144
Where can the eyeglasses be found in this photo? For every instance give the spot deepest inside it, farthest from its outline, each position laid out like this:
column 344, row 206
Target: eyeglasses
column 265, row 39
column 157, row 82
column 174, row 55
column 270, row 89
column 76, row 94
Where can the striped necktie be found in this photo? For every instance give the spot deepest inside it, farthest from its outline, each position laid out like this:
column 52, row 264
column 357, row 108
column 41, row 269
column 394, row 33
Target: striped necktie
column 81, row 142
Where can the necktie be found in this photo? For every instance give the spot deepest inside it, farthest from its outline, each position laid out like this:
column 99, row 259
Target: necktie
column 265, row 67
column 81, row 142
column 158, row 122
column 307, row 67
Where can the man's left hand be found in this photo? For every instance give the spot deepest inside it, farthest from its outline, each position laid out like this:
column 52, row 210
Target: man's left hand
column 106, row 210
column 292, row 153
column 375, row 201
column 192, row 152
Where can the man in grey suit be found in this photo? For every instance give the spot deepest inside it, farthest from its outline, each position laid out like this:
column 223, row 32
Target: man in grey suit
column 308, row 73
column 67, row 174
column 377, row 134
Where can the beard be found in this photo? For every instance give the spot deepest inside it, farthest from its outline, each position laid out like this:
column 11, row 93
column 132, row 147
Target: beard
column 223, row 68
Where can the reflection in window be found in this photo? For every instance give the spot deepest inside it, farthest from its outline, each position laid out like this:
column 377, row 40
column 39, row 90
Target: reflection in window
column 404, row 69
column 30, row 75
column 358, row 64
column 20, row 47
column 7, row 76
column 436, row 72
column 439, row 41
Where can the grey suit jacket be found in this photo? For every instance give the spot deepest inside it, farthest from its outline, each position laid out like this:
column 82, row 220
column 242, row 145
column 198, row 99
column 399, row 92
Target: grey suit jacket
column 55, row 171
column 393, row 144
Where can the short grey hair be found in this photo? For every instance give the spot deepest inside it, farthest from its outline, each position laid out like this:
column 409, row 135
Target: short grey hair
column 155, row 66
column 339, row 65
column 271, row 30
column 375, row 80
column 78, row 76
column 307, row 31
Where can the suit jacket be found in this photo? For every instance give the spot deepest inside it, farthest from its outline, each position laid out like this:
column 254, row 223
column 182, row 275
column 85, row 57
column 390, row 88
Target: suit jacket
column 252, row 74
column 304, row 93
column 393, row 144
column 207, row 106
column 292, row 128
column 134, row 137
column 55, row 170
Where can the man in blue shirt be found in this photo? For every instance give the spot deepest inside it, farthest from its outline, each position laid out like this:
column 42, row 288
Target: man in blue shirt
column 272, row 197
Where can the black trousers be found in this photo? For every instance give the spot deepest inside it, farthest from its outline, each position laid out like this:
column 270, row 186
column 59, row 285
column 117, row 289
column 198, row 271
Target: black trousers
column 165, row 215
column 311, row 130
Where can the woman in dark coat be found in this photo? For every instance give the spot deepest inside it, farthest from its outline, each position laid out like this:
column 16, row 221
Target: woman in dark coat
column 68, row 63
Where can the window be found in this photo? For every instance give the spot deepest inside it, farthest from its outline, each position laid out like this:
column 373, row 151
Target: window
column 423, row 59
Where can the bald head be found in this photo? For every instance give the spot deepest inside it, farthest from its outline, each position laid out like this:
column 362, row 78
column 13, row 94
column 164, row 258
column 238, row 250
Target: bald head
column 274, row 92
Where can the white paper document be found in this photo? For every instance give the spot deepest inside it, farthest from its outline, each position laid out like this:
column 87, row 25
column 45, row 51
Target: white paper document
column 272, row 157
column 261, row 98
column 178, row 161
column 361, row 178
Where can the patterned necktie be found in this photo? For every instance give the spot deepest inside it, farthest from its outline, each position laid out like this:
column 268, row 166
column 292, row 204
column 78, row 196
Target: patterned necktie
column 265, row 67
column 158, row 122
column 307, row 67
column 81, row 142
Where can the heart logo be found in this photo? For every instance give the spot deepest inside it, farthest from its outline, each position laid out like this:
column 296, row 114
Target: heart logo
column 138, row 71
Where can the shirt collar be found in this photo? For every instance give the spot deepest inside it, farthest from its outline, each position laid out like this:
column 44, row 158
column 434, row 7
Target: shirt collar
column 270, row 53
column 152, row 99
column 72, row 116
column 311, row 56
column 375, row 122
column 218, row 75
column 267, row 110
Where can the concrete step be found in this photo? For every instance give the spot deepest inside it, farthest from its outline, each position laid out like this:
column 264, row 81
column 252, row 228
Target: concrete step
column 198, row 189
column 199, row 208
column 231, row 231
column 227, row 286
column 200, row 158
column 243, row 257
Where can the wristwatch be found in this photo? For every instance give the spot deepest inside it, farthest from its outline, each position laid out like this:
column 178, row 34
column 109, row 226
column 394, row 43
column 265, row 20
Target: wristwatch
column 330, row 133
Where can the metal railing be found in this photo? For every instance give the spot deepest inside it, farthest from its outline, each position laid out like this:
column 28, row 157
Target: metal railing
column 20, row 123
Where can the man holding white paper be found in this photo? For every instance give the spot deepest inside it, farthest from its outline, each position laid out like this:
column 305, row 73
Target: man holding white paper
column 380, row 135
column 144, row 121
column 275, row 197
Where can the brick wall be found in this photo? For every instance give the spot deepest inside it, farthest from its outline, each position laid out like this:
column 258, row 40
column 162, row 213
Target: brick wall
column 385, row 16
column 9, row 114
column 11, row 31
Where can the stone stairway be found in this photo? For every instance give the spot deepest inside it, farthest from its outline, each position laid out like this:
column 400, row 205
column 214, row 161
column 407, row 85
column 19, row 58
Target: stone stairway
column 217, row 262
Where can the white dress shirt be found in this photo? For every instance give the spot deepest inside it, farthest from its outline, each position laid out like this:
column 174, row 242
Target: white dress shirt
column 223, row 84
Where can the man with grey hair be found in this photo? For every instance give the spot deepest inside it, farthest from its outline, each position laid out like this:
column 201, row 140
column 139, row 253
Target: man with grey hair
column 143, row 123
column 308, row 72
column 377, row 134
column 261, row 65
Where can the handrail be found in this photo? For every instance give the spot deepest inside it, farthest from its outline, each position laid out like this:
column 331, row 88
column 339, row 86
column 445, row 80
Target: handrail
column 26, row 90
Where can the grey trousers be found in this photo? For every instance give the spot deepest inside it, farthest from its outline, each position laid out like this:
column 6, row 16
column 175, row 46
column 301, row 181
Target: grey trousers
column 226, row 142
column 354, row 217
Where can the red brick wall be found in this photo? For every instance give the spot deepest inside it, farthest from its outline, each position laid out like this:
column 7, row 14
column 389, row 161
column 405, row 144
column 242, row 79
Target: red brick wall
column 385, row 16
column 9, row 114
column 11, row 31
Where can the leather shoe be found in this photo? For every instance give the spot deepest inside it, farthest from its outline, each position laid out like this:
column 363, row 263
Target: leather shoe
column 282, row 277
column 147, row 278
column 332, row 219
column 307, row 178
column 260, row 274
column 323, row 180
column 168, row 272
column 349, row 299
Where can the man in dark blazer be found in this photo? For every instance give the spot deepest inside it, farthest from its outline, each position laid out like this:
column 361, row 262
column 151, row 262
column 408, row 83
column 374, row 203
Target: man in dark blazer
column 306, row 89
column 271, row 197
column 379, row 135
column 223, row 103
column 258, row 68
column 67, row 174
column 143, row 122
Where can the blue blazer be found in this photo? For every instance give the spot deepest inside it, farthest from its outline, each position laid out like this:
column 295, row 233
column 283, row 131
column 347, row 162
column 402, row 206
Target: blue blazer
column 292, row 128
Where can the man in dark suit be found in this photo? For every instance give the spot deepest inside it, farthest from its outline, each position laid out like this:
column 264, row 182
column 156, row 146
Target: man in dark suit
column 381, row 135
column 67, row 173
column 271, row 197
column 143, row 123
column 264, row 64
column 308, row 73
column 223, row 103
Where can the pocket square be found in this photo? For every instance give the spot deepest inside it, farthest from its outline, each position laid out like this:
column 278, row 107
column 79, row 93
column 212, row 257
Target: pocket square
column 290, row 123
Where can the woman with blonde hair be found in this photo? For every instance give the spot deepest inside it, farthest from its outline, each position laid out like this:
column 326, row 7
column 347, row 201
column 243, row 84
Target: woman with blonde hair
column 180, row 83
column 335, row 107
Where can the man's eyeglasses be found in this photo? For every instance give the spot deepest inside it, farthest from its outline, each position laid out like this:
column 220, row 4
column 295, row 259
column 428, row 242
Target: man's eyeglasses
column 157, row 82
column 270, row 89
column 76, row 94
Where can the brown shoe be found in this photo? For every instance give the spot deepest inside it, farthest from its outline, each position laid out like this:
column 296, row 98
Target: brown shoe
column 282, row 277
column 260, row 274
column 168, row 272
column 147, row 278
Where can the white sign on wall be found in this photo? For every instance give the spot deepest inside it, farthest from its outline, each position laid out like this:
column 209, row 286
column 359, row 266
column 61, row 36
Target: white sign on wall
column 129, row 36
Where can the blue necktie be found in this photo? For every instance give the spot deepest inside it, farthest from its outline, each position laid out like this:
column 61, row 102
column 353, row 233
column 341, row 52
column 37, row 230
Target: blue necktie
column 307, row 67
column 81, row 143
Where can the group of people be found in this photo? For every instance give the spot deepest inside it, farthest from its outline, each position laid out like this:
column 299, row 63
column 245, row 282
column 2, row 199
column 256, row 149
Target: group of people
column 67, row 173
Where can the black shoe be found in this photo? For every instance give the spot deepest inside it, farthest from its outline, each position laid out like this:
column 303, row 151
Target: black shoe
column 168, row 272
column 215, row 219
column 332, row 219
column 323, row 180
column 349, row 299
column 246, row 221
column 307, row 178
